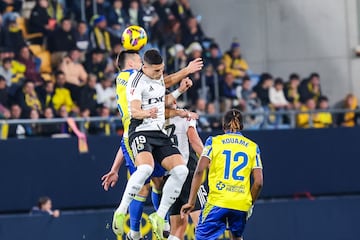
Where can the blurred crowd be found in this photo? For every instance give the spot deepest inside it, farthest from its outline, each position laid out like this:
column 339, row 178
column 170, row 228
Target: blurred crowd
column 59, row 62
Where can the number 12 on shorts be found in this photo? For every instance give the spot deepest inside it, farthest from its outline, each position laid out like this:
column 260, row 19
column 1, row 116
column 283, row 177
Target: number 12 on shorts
column 234, row 157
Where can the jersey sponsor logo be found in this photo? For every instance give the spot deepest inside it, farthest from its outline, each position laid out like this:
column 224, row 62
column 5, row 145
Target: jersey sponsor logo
column 156, row 100
column 220, row 185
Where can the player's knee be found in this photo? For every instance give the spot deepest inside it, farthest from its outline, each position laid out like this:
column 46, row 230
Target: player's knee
column 180, row 172
column 145, row 170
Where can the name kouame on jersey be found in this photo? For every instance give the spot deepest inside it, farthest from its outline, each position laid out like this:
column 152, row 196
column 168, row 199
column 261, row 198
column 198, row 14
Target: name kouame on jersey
column 123, row 106
column 177, row 128
column 232, row 157
column 151, row 93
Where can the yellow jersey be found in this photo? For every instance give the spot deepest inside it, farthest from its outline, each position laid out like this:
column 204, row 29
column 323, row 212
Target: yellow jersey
column 122, row 103
column 232, row 159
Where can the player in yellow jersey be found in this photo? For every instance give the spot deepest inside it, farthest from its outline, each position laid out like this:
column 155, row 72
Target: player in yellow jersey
column 232, row 160
column 129, row 62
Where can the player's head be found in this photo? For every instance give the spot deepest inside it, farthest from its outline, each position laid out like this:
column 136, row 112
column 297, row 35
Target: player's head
column 153, row 64
column 233, row 121
column 44, row 203
column 128, row 59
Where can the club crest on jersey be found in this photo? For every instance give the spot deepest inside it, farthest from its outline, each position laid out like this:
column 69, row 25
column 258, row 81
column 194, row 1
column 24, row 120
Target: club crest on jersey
column 140, row 147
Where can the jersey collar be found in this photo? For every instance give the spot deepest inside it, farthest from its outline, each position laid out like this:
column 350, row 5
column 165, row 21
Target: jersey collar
column 238, row 133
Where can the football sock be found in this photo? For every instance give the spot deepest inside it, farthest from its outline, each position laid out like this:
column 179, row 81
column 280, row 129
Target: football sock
column 172, row 188
column 135, row 183
column 136, row 208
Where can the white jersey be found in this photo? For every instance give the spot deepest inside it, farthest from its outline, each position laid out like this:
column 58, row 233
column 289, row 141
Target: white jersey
column 177, row 128
column 151, row 93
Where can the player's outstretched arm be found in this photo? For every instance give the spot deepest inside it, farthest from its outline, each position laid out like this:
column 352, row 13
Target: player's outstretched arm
column 111, row 178
column 193, row 66
column 195, row 184
column 195, row 140
column 183, row 113
column 170, row 98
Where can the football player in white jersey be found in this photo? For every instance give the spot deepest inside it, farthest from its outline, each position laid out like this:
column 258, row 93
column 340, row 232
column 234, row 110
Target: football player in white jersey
column 183, row 133
column 146, row 96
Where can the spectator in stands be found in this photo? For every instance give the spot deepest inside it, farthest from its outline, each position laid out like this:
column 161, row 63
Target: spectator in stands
column 4, row 99
column 135, row 14
column 102, row 127
column 82, row 38
column 88, row 97
column 117, row 18
column 228, row 92
column 150, row 18
column 177, row 58
column 310, row 88
column 39, row 21
column 97, row 63
column 292, row 91
column 203, row 122
column 323, row 119
column 234, row 62
column 28, row 99
column 30, row 61
column 214, row 58
column 34, row 129
column 12, row 38
column 62, row 96
column 181, row 10
column 162, row 8
column 16, row 130
column 277, row 96
column 172, row 34
column 44, row 207
column 101, row 8
column 244, row 92
column 61, row 41
column 106, row 95
column 262, row 89
column 50, row 128
column 100, row 37
column 214, row 121
column 46, row 94
column 192, row 32
column 305, row 118
column 56, row 10
column 74, row 71
column 10, row 8
column 350, row 118
column 6, row 71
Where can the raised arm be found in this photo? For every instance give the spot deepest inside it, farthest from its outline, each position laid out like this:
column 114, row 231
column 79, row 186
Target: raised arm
column 185, row 84
column 193, row 66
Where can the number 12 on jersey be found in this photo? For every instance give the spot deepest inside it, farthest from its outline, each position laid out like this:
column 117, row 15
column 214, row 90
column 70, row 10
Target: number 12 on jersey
column 241, row 160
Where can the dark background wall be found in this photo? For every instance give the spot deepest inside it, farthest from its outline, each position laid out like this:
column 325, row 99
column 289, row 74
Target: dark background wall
column 319, row 161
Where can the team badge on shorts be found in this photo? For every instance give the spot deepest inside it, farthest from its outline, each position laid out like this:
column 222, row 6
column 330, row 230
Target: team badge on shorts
column 140, row 147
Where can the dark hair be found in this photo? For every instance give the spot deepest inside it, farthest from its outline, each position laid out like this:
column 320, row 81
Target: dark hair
column 57, row 73
column 2, row 78
column 64, row 19
column 121, row 58
column 294, row 76
column 314, row 74
column 153, row 56
column 278, row 81
column 7, row 60
column 42, row 201
column 233, row 121
column 246, row 78
column 323, row 98
column 265, row 76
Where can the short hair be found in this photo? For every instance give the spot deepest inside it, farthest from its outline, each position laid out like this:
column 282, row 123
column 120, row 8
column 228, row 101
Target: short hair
column 121, row 58
column 314, row 74
column 152, row 56
column 323, row 99
column 233, row 121
column 294, row 76
column 42, row 201
column 279, row 81
column 57, row 73
column 64, row 19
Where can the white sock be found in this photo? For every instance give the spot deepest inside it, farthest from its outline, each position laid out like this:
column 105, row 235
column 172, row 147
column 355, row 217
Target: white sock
column 133, row 186
column 172, row 237
column 172, row 189
column 135, row 235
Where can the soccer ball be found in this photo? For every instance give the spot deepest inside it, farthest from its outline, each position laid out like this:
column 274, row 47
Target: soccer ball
column 134, row 38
